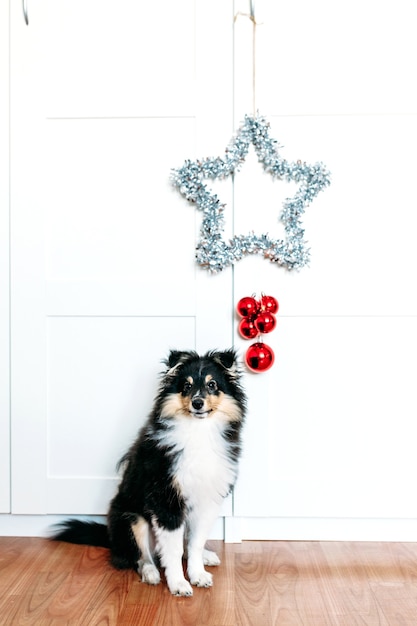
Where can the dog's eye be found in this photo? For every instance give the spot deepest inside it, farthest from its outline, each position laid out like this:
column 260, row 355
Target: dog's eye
column 187, row 387
column 212, row 385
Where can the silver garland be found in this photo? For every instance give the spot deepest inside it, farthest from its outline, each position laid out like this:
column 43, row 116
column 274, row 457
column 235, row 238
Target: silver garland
column 212, row 251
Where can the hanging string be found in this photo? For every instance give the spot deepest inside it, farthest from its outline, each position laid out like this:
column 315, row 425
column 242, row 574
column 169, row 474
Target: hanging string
column 252, row 18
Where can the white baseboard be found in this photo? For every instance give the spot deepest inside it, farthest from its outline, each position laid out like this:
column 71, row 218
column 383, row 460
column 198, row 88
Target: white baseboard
column 325, row 529
column 42, row 525
column 236, row 529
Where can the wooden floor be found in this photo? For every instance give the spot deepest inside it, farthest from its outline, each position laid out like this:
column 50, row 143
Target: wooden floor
column 260, row 583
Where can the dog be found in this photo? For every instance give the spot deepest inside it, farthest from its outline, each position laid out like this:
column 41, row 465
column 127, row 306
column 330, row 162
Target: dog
column 176, row 474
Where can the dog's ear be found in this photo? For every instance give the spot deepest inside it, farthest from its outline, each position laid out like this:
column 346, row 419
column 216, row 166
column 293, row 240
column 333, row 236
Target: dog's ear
column 227, row 358
column 176, row 357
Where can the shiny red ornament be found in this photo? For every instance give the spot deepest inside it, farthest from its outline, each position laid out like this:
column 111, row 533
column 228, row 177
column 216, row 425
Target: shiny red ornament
column 269, row 303
column 259, row 357
column 247, row 328
column 247, row 307
column 265, row 322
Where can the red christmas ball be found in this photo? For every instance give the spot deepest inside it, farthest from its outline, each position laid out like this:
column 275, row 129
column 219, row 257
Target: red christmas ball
column 269, row 303
column 265, row 322
column 247, row 307
column 259, row 357
column 247, row 328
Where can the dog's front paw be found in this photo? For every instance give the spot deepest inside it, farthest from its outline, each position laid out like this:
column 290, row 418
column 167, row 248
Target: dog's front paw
column 149, row 573
column 180, row 588
column 210, row 558
column 201, row 579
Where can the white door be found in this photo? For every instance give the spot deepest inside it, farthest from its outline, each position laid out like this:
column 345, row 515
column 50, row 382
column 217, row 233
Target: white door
column 4, row 265
column 330, row 431
column 107, row 98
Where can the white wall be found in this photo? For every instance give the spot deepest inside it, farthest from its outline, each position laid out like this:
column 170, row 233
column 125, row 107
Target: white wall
column 4, row 261
column 330, row 431
column 329, row 447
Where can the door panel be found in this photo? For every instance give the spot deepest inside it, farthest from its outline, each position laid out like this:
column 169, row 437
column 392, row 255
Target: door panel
column 336, row 63
column 118, row 214
column 98, row 394
column 107, row 98
column 4, row 264
column 121, row 59
column 330, row 424
column 336, row 412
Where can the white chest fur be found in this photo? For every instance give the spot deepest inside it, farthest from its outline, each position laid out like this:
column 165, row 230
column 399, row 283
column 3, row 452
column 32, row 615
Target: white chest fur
column 204, row 470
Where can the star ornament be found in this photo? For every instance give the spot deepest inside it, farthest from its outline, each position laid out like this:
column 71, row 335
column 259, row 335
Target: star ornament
column 212, row 251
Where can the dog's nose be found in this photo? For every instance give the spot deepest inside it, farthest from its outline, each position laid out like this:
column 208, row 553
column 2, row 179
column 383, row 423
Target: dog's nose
column 197, row 403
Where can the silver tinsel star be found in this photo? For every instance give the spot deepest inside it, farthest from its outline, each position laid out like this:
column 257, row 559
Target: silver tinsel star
column 213, row 252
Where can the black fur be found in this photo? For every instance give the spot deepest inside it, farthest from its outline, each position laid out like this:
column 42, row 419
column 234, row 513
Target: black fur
column 149, row 489
column 88, row 533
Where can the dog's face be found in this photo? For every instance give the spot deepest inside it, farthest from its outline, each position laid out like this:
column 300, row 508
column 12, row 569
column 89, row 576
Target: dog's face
column 200, row 387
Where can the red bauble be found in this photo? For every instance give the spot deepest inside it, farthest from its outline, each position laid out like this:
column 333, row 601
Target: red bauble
column 247, row 328
column 259, row 357
column 269, row 303
column 265, row 322
column 247, row 307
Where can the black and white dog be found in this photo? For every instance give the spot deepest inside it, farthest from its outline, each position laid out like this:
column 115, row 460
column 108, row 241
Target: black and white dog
column 176, row 474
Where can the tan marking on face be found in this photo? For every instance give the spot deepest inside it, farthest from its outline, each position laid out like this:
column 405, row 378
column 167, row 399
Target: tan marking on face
column 213, row 401
column 186, row 404
column 227, row 407
column 172, row 405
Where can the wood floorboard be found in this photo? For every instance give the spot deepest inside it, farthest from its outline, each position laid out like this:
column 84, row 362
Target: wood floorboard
column 283, row 583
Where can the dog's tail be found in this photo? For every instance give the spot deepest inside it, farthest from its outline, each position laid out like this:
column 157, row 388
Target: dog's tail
column 85, row 533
